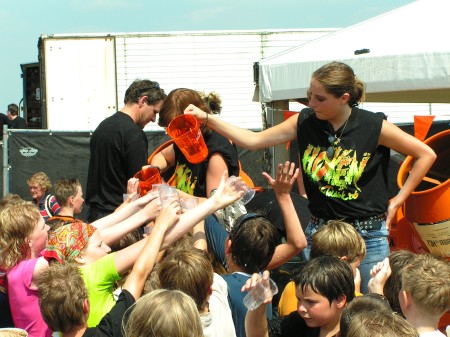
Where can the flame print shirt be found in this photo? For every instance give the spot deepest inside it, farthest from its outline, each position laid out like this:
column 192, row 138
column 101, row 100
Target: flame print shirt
column 191, row 178
column 352, row 183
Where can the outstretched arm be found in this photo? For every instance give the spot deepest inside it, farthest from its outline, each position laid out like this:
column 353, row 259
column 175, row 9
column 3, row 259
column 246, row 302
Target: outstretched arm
column 247, row 139
column 144, row 264
column 228, row 192
column 286, row 177
column 114, row 233
column 123, row 213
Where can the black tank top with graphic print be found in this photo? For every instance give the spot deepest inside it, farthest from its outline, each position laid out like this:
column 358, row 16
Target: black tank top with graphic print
column 352, row 184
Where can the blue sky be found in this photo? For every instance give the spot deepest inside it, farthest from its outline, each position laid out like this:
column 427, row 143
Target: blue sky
column 23, row 21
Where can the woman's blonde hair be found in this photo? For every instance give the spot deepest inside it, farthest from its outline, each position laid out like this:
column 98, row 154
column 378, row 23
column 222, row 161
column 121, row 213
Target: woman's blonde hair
column 17, row 222
column 168, row 313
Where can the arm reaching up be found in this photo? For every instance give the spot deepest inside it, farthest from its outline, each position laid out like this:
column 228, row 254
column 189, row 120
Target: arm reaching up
column 144, row 264
column 111, row 235
column 379, row 275
column 123, row 213
column 295, row 238
column 256, row 320
column 228, row 192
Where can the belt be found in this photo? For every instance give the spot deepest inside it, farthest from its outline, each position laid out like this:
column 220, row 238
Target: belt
column 373, row 222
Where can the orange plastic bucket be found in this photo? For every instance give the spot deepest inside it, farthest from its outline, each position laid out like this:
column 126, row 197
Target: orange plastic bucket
column 428, row 206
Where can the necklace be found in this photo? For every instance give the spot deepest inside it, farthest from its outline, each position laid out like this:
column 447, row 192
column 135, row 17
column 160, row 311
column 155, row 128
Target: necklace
column 333, row 139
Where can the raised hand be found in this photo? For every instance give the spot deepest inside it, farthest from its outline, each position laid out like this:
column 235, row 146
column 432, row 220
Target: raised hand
column 153, row 207
column 196, row 112
column 169, row 214
column 379, row 275
column 132, row 185
column 228, row 191
column 285, row 178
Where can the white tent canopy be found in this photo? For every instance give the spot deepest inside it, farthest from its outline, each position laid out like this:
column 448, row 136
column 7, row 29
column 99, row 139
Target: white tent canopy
column 409, row 58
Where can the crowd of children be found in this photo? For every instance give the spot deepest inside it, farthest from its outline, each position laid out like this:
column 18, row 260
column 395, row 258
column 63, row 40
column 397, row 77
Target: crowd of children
column 60, row 277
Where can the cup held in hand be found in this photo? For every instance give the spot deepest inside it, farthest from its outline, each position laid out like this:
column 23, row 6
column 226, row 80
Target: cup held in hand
column 167, row 193
column 185, row 132
column 249, row 192
column 262, row 291
column 188, row 203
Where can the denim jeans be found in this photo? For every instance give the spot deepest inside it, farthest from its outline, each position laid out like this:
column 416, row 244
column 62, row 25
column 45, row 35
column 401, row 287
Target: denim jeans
column 377, row 248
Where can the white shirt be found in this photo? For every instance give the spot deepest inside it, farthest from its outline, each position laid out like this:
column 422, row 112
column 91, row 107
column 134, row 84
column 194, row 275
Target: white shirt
column 218, row 321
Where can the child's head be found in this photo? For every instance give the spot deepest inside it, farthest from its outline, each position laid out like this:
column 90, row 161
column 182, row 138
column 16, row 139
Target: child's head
column 68, row 193
column 63, row 297
column 23, row 233
column 398, row 260
column 252, row 242
column 425, row 282
column 339, row 239
column 366, row 303
column 190, row 271
column 168, row 313
column 323, row 288
column 76, row 242
column 10, row 199
column 378, row 324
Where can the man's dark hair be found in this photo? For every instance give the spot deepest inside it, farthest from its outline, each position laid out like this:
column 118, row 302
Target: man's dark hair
column 13, row 109
column 140, row 88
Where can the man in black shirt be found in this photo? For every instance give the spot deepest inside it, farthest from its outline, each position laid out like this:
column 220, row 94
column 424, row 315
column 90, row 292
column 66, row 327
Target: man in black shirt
column 16, row 122
column 119, row 148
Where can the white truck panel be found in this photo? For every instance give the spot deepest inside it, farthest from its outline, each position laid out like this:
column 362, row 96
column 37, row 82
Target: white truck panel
column 86, row 75
column 209, row 61
column 80, row 82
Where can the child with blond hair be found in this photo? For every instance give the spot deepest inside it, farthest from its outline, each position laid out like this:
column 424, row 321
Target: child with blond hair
column 24, row 235
column 336, row 238
column 191, row 271
column 84, row 244
column 425, row 293
column 63, row 297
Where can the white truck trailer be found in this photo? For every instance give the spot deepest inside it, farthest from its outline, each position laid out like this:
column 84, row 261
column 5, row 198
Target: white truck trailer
column 80, row 79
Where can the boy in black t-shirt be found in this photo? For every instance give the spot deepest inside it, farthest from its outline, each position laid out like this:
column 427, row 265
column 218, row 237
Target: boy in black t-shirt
column 323, row 288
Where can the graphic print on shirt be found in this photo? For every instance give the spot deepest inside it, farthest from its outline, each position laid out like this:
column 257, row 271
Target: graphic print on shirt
column 338, row 177
column 183, row 179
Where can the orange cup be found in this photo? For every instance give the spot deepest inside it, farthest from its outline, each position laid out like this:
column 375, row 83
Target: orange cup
column 185, row 132
column 148, row 176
